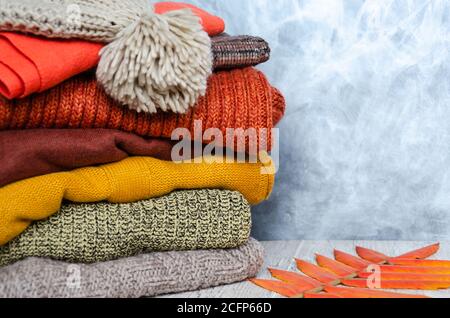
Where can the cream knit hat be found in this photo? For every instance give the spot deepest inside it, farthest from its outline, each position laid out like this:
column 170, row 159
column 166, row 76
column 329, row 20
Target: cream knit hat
column 153, row 61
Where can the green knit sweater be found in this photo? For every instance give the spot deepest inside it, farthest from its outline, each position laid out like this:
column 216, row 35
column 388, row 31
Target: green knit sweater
column 88, row 233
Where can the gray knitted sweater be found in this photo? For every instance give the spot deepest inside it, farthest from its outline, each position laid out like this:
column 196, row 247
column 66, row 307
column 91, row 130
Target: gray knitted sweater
column 88, row 233
column 145, row 275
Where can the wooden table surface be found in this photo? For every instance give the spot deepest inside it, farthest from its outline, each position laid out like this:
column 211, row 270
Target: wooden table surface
column 281, row 254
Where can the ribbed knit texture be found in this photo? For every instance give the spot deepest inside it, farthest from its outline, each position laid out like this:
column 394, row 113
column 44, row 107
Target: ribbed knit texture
column 145, row 275
column 88, row 233
column 129, row 180
column 238, row 51
column 241, row 98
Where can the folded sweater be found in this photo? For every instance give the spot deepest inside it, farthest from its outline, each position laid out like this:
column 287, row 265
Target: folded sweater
column 99, row 232
column 237, row 99
column 35, row 152
column 145, row 275
column 129, row 180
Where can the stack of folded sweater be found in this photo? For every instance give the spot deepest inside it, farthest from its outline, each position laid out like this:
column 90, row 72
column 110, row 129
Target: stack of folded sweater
column 91, row 202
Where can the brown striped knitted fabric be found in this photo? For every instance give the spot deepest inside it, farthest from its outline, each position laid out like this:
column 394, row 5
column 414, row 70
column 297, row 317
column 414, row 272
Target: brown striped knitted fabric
column 238, row 51
column 241, row 98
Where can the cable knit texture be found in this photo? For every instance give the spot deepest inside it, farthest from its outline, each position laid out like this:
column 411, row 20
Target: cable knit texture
column 241, row 98
column 153, row 61
column 145, row 275
column 89, row 233
column 129, row 180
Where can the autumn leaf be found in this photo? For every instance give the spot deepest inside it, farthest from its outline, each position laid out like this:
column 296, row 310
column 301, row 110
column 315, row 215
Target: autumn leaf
column 336, row 267
column 351, row 260
column 377, row 257
column 316, row 272
column 349, row 276
column 407, row 276
column 300, row 281
column 419, row 262
column 398, row 284
column 366, row 293
column 282, row 288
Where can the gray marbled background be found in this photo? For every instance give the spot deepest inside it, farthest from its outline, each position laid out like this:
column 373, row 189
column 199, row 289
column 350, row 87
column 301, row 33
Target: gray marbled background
column 365, row 145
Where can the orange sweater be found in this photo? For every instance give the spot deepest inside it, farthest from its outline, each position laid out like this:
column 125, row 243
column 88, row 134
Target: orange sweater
column 241, row 98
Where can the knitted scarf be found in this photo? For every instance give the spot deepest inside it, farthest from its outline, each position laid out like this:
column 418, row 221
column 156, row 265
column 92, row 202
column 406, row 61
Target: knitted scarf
column 155, row 58
column 145, row 275
column 89, row 233
column 241, row 98
column 129, row 180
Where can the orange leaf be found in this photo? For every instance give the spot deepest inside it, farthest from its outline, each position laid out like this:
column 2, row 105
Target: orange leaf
column 409, row 271
column 415, row 269
column 336, row 267
column 371, row 255
column 300, row 281
column 419, row 262
column 398, row 284
column 321, row 295
column 284, row 289
column 351, row 260
column 377, row 257
column 316, row 272
column 407, row 276
column 422, row 253
column 366, row 293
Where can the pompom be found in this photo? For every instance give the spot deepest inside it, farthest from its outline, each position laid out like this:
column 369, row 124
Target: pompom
column 158, row 62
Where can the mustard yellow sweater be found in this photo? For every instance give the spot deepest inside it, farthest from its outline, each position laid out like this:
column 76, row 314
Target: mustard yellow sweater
column 130, row 180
